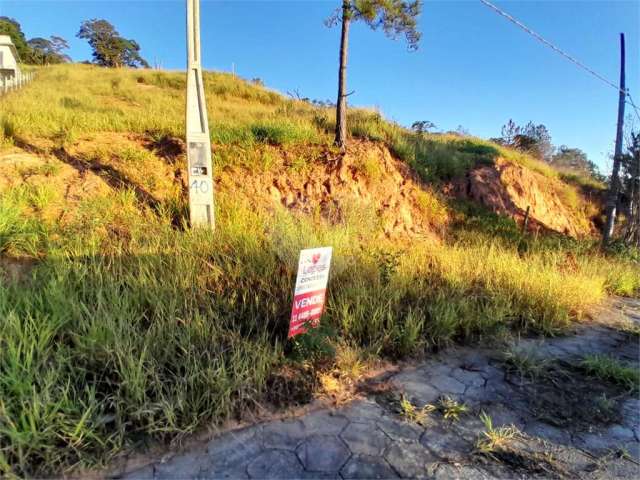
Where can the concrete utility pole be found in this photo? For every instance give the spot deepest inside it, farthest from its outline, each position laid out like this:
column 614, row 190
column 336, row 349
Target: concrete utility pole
column 200, row 173
column 614, row 187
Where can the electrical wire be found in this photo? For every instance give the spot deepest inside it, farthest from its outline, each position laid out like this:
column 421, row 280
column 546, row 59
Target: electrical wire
column 546, row 42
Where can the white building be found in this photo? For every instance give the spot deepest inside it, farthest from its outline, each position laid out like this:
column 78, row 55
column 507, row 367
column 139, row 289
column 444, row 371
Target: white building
column 10, row 74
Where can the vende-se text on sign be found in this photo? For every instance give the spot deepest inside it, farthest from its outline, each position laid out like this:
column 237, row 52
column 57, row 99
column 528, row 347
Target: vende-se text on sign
column 311, row 288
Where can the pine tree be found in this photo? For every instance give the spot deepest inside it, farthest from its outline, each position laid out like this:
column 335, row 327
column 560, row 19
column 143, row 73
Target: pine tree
column 395, row 17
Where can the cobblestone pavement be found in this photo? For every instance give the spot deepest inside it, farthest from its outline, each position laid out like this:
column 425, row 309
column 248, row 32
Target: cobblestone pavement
column 368, row 439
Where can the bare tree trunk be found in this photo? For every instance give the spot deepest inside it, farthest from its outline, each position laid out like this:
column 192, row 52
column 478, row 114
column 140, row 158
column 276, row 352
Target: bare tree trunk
column 614, row 187
column 341, row 106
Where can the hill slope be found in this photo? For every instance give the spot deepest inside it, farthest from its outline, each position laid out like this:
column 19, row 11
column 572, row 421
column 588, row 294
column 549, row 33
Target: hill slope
column 120, row 323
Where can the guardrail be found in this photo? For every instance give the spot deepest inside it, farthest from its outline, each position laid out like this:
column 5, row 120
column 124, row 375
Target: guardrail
column 14, row 79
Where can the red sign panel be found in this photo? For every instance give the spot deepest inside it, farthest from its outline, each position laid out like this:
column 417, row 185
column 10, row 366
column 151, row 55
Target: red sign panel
column 311, row 287
column 307, row 310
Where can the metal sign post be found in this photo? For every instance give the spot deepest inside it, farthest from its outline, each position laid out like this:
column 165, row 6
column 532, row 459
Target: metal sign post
column 200, row 173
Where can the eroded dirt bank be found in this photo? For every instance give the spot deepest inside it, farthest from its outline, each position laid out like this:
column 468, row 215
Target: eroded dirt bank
column 509, row 189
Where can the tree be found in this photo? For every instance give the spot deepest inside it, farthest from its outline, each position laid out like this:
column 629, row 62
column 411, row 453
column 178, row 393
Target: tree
column 109, row 48
column 530, row 138
column 9, row 26
column 630, row 181
column 395, row 17
column 536, row 140
column 508, row 133
column 462, row 131
column 47, row 51
column 423, row 126
column 574, row 160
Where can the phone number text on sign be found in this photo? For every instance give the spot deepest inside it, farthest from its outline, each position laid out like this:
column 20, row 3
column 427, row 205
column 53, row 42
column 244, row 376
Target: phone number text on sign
column 311, row 288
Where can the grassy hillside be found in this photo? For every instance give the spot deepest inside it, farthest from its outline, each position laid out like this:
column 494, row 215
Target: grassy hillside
column 119, row 324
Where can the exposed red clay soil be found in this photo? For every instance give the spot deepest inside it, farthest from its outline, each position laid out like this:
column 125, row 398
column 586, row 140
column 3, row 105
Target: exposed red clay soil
column 508, row 188
column 364, row 181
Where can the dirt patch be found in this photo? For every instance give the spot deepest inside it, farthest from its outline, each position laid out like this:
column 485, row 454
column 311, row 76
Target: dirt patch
column 365, row 182
column 565, row 396
column 291, row 385
column 528, row 458
column 509, row 189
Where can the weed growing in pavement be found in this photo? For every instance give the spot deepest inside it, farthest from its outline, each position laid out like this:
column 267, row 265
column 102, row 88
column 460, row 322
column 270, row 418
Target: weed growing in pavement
column 492, row 439
column 613, row 370
column 415, row 414
column 451, row 409
column 525, row 363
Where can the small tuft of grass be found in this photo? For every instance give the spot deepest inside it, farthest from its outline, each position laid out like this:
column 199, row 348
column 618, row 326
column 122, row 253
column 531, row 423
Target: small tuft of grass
column 370, row 167
column 431, row 206
column 451, row 409
column 525, row 363
column 339, row 381
column 613, row 370
column 605, row 406
column 349, row 362
column 415, row 414
column 492, row 438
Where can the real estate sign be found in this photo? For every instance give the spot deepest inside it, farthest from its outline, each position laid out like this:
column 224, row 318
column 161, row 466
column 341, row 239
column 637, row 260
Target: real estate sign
column 311, row 288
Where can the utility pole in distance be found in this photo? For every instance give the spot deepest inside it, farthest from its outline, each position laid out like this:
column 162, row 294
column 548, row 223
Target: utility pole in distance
column 200, row 173
column 614, row 186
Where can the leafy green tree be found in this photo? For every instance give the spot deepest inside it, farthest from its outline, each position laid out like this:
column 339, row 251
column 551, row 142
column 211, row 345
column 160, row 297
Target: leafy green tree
column 395, row 17
column 574, row 160
column 48, row 51
column 109, row 48
column 9, row 26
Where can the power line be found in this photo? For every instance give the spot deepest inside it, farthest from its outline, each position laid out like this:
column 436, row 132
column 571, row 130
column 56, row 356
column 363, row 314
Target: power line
column 540, row 38
column 549, row 44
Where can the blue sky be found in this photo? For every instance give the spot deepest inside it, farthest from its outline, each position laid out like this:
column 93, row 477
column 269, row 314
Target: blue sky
column 473, row 67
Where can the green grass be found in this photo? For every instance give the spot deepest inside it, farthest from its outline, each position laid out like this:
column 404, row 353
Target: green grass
column 131, row 329
column 613, row 370
column 413, row 414
column 21, row 234
column 583, row 181
column 125, row 327
column 493, row 439
column 451, row 409
column 525, row 363
column 240, row 112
